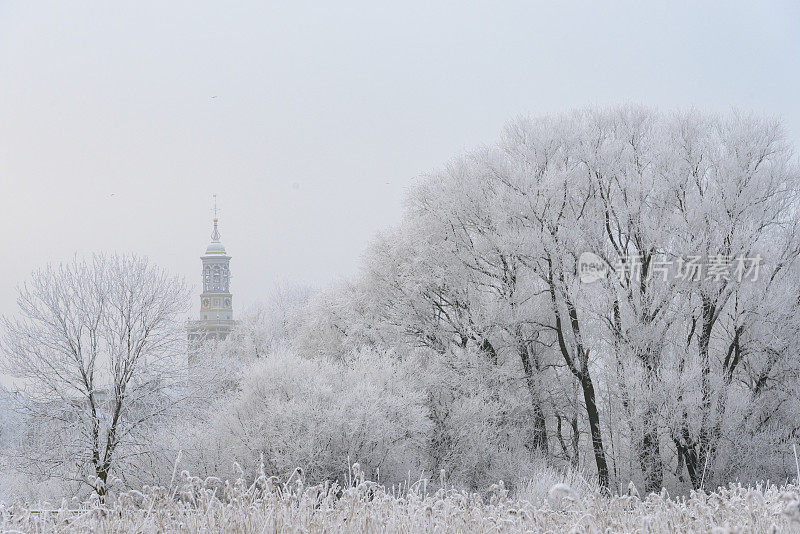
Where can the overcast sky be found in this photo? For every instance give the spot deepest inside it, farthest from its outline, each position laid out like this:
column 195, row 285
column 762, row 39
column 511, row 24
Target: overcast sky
column 118, row 123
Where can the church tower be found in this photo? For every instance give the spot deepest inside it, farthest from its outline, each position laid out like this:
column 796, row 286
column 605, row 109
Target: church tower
column 216, row 301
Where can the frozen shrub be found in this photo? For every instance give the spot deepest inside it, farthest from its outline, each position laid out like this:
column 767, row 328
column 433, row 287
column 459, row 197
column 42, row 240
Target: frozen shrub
column 481, row 422
column 293, row 411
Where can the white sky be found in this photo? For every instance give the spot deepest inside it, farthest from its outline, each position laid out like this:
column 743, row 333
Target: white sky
column 117, row 123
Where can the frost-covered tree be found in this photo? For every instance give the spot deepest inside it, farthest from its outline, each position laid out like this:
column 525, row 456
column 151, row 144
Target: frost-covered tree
column 268, row 325
column 96, row 350
column 475, row 247
column 736, row 191
column 672, row 372
column 317, row 415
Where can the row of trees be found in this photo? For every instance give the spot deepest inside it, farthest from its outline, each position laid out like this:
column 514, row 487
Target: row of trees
column 468, row 342
column 656, row 367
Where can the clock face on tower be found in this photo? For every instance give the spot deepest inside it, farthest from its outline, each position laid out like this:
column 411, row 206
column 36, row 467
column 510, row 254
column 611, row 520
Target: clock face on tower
column 205, row 303
column 227, row 303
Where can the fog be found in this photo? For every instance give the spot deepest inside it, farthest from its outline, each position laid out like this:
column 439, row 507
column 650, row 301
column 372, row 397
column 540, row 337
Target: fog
column 118, row 123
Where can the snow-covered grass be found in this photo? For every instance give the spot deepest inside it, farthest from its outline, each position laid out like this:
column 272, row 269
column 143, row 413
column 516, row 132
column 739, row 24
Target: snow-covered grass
column 270, row 505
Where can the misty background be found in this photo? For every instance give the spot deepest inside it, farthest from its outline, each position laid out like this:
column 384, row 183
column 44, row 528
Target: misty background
column 119, row 122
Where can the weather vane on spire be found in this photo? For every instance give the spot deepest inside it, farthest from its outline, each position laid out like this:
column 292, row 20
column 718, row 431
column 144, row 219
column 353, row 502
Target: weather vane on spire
column 215, row 233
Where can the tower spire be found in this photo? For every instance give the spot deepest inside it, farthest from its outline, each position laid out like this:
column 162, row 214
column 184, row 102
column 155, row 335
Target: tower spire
column 216, row 301
column 215, row 233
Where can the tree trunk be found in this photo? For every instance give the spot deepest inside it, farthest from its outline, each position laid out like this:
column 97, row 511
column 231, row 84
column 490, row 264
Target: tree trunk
column 487, row 347
column 687, row 453
column 539, row 422
column 101, row 489
column 649, row 446
column 650, row 453
column 579, row 366
column 594, row 427
column 696, row 452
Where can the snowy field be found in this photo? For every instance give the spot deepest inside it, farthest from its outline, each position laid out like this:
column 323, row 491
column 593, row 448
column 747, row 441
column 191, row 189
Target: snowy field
column 267, row 505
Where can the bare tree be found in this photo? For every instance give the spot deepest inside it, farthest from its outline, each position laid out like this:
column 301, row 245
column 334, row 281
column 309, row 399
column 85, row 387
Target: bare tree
column 97, row 352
